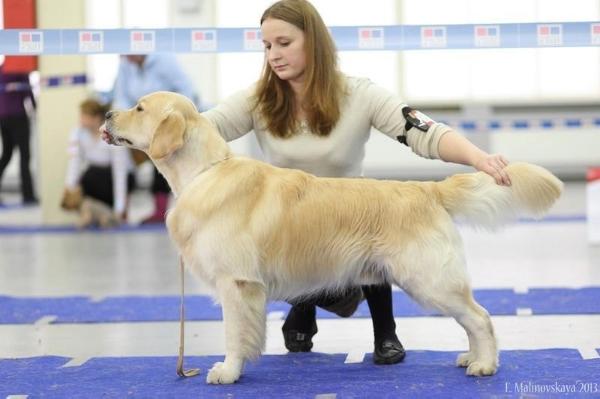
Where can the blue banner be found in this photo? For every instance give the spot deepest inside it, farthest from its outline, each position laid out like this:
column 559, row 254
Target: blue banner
column 348, row 38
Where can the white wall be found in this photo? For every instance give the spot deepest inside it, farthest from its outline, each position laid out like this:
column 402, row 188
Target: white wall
column 450, row 77
column 526, row 75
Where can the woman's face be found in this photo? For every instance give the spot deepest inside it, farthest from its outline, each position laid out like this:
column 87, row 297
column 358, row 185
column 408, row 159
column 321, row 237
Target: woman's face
column 284, row 46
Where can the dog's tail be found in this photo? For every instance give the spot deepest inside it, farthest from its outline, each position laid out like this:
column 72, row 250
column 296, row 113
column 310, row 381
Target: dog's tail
column 478, row 200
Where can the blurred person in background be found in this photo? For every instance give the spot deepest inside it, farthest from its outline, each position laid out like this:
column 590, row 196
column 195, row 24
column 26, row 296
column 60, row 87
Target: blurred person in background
column 103, row 172
column 143, row 74
column 15, row 127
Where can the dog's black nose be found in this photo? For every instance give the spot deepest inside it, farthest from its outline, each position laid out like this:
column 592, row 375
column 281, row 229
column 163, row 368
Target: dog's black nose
column 109, row 115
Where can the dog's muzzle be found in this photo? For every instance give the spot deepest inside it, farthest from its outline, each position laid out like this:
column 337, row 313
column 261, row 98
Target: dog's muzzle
column 112, row 138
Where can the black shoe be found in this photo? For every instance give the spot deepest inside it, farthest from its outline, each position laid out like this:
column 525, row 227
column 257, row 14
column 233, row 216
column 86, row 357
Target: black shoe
column 388, row 351
column 346, row 305
column 299, row 341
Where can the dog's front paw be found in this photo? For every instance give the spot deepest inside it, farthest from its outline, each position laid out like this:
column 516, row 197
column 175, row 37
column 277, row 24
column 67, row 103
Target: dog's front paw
column 465, row 359
column 221, row 374
column 480, row 369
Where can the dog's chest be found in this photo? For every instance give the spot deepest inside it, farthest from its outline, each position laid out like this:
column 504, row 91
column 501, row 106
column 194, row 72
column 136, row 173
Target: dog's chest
column 198, row 244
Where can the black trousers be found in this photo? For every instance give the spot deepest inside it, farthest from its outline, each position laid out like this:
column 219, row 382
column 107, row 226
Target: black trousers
column 379, row 299
column 16, row 133
column 159, row 183
column 97, row 182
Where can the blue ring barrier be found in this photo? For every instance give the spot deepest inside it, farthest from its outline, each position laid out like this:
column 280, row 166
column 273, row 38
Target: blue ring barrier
column 127, row 228
column 115, row 309
column 46, row 81
column 492, row 125
column 495, row 125
column 64, row 80
column 348, row 38
column 71, row 229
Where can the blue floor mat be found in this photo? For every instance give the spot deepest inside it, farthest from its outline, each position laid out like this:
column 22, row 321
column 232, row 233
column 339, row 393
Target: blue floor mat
column 12, row 229
column 166, row 308
column 530, row 373
column 71, row 229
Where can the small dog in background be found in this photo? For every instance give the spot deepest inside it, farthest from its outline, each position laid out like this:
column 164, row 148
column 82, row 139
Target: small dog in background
column 91, row 211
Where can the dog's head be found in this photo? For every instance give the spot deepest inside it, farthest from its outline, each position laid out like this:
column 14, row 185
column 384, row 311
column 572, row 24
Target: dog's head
column 155, row 125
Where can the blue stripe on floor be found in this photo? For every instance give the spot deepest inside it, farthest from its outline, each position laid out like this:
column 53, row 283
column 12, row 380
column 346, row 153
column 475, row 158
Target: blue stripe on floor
column 43, row 229
column 166, row 308
column 522, row 373
column 70, row 229
column 555, row 219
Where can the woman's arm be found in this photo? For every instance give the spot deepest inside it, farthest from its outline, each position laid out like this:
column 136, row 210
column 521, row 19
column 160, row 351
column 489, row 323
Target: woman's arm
column 425, row 137
column 233, row 117
column 453, row 147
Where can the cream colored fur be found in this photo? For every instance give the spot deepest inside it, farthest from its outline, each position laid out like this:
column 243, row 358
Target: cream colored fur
column 255, row 232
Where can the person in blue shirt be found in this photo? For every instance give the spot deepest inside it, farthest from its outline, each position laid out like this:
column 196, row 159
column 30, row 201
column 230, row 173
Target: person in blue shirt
column 139, row 75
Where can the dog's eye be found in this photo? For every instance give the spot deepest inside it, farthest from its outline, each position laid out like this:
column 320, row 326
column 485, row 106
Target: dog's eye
column 139, row 108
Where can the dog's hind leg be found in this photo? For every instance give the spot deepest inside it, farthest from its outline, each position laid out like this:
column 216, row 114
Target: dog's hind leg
column 243, row 305
column 450, row 293
column 482, row 358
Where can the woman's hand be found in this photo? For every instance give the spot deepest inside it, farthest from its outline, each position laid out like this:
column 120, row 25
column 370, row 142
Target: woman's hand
column 494, row 166
column 454, row 147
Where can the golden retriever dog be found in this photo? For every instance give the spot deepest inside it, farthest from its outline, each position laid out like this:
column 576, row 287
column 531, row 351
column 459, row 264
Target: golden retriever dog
column 91, row 211
column 256, row 232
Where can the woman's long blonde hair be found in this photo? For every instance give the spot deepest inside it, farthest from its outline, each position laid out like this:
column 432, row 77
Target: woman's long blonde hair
column 324, row 86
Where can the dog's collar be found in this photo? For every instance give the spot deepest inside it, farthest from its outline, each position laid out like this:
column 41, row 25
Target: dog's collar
column 217, row 162
column 213, row 163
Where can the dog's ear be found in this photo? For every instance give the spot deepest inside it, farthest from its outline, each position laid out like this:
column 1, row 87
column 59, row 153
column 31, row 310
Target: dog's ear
column 168, row 137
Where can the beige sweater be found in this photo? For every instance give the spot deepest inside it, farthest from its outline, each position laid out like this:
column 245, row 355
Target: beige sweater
column 340, row 154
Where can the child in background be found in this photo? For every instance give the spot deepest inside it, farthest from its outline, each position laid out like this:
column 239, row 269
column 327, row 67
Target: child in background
column 103, row 172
